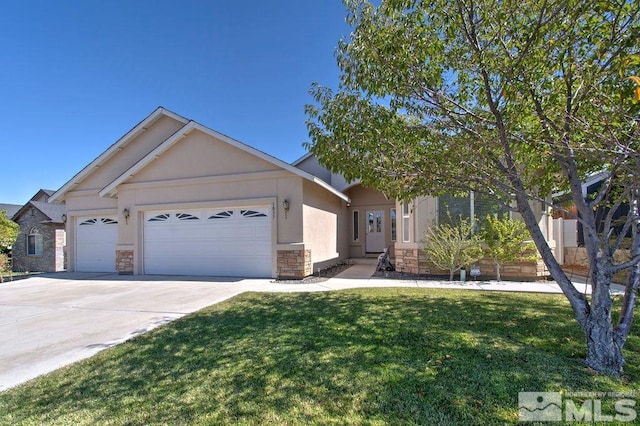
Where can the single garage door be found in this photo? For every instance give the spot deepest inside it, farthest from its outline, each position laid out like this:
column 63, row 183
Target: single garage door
column 233, row 242
column 96, row 240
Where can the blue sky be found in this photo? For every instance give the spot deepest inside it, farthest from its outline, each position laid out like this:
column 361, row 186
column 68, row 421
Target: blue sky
column 76, row 75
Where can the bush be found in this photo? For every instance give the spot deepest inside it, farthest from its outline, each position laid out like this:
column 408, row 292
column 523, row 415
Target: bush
column 451, row 247
column 4, row 262
column 506, row 240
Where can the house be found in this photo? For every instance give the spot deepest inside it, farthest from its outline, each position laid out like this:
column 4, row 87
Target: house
column 10, row 209
column 40, row 244
column 175, row 197
column 376, row 222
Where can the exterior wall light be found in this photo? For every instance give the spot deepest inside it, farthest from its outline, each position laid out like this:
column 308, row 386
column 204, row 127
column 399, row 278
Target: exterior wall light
column 285, row 206
column 126, row 214
column 64, row 218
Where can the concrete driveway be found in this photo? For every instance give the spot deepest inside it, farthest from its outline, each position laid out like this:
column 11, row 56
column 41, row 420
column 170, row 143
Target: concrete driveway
column 52, row 320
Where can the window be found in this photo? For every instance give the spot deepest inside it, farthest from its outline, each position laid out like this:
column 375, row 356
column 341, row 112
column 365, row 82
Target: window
column 356, row 225
column 159, row 218
column 476, row 206
column 370, row 223
column 222, row 215
column 186, row 216
column 252, row 213
column 35, row 243
column 394, row 230
column 406, row 220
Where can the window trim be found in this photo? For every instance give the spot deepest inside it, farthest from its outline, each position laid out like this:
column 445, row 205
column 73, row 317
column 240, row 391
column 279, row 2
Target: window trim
column 406, row 223
column 37, row 245
column 393, row 223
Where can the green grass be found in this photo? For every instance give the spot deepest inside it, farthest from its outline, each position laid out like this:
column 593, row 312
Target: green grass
column 373, row 356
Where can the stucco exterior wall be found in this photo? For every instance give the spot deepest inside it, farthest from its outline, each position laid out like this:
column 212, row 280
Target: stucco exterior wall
column 324, row 215
column 364, row 200
column 131, row 153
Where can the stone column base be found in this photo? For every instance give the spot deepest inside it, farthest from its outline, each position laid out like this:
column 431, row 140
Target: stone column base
column 124, row 262
column 294, row 264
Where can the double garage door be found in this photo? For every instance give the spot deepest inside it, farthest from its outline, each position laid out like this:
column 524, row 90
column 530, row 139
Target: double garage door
column 220, row 242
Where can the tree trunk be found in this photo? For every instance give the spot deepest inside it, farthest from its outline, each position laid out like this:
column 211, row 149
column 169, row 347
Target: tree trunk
column 451, row 273
column 497, row 271
column 604, row 348
column 633, row 279
column 604, row 354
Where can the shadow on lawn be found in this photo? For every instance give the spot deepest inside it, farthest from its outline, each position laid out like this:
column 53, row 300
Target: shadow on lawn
column 395, row 356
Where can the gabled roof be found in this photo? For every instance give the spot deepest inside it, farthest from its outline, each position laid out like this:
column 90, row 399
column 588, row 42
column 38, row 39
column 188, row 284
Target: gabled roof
column 113, row 149
column 11, row 209
column 301, row 159
column 112, row 188
column 52, row 211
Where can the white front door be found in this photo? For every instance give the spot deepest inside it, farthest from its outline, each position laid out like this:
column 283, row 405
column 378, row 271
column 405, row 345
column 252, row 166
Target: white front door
column 375, row 231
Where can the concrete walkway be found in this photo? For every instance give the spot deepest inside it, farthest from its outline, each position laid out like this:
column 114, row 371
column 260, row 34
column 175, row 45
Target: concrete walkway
column 53, row 320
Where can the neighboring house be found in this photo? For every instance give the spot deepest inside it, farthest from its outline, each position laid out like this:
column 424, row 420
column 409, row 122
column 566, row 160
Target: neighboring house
column 10, row 209
column 175, row 197
column 40, row 244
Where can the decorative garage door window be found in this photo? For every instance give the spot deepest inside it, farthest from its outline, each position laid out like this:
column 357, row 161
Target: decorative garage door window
column 222, row 215
column 99, row 221
column 173, row 216
column 160, row 218
column 252, row 213
column 200, row 215
column 186, row 216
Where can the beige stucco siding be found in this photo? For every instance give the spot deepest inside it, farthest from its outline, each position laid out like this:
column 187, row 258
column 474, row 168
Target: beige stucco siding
column 364, row 200
column 131, row 153
column 324, row 219
column 198, row 154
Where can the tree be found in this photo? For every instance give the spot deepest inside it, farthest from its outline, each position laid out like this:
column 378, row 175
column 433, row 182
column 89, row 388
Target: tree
column 506, row 241
column 9, row 231
column 452, row 246
column 508, row 99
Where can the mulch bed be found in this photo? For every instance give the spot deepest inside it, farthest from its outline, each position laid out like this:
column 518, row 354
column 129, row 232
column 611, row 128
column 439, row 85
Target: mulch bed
column 318, row 276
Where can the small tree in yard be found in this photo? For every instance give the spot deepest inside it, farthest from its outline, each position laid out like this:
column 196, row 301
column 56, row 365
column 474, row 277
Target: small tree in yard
column 506, row 241
column 452, row 246
column 9, row 231
column 512, row 100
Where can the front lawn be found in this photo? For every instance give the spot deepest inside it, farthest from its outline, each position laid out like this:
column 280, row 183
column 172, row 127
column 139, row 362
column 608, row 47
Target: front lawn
column 372, row 356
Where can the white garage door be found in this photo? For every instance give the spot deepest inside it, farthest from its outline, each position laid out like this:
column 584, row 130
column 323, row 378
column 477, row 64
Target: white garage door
column 96, row 240
column 234, row 242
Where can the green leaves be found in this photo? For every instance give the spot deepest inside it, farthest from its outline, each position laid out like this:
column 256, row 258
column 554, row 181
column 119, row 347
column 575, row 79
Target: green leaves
column 9, row 230
column 507, row 241
column 484, row 96
column 451, row 247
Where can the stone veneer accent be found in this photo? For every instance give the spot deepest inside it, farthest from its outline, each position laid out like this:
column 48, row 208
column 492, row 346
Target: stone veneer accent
column 577, row 256
column 124, row 262
column 53, row 239
column 294, row 264
column 414, row 261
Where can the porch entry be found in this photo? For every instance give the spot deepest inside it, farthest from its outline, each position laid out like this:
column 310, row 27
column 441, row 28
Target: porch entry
column 375, row 231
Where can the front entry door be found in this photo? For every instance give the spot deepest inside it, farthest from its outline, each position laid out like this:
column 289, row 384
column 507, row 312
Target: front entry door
column 375, row 231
